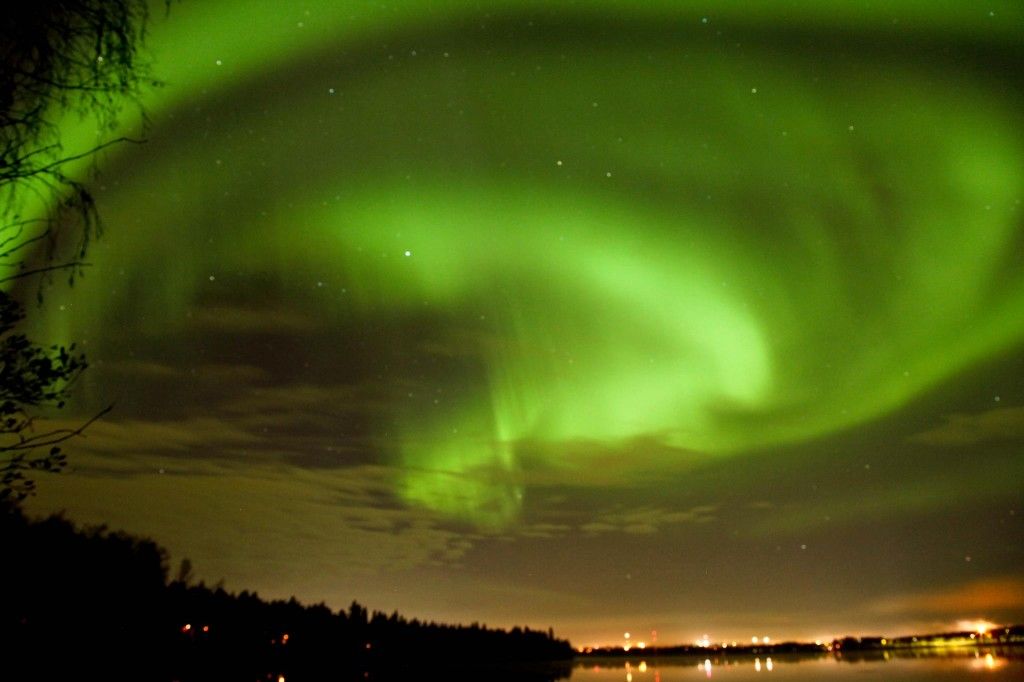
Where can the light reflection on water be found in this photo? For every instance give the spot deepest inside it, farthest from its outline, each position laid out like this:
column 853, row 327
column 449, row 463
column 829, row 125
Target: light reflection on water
column 967, row 665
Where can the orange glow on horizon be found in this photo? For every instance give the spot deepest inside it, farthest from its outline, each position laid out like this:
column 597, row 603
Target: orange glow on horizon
column 982, row 627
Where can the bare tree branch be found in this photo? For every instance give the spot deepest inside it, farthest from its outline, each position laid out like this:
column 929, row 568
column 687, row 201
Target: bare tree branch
column 56, row 436
column 45, row 268
column 56, row 59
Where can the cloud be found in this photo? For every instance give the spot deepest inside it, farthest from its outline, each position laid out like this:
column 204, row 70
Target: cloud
column 1003, row 424
column 543, row 530
column 249, row 320
column 315, row 427
column 305, row 398
column 646, row 520
column 119, row 437
column 592, row 463
column 231, row 373
column 223, row 373
column 978, row 597
column 265, row 526
column 141, row 369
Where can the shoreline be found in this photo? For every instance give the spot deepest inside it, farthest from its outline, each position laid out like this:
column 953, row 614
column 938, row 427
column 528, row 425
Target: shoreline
column 797, row 652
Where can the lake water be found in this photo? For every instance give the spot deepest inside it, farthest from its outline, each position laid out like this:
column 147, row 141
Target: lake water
column 972, row 665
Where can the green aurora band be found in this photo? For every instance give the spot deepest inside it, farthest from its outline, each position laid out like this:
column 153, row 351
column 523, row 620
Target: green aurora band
column 637, row 228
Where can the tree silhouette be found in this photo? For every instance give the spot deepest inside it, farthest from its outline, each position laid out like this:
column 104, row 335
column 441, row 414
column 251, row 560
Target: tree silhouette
column 30, row 377
column 56, row 58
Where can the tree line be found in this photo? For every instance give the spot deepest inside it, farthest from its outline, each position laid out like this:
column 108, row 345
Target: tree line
column 99, row 600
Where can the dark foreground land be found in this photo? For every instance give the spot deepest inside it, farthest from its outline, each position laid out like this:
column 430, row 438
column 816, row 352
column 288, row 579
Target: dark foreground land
column 95, row 602
column 81, row 603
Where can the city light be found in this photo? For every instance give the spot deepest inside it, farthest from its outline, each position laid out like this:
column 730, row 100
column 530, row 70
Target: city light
column 988, row 662
column 982, row 627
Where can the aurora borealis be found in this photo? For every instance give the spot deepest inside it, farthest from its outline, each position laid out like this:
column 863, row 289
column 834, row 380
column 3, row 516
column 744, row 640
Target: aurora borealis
column 574, row 314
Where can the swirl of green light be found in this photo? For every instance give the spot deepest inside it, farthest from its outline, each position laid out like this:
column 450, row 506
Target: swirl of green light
column 662, row 235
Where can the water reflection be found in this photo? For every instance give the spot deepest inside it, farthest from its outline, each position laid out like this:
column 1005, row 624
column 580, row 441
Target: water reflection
column 988, row 662
column 992, row 665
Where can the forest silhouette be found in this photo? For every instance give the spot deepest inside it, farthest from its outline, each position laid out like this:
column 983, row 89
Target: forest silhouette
column 97, row 601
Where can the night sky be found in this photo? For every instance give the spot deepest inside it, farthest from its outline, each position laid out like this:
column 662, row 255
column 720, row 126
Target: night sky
column 606, row 316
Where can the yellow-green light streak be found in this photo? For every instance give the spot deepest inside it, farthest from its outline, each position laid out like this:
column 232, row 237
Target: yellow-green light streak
column 666, row 237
